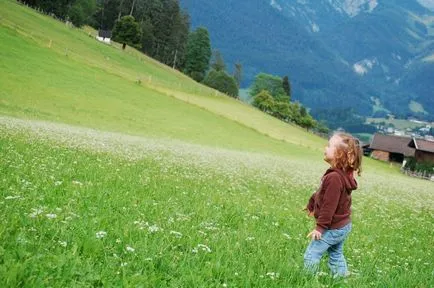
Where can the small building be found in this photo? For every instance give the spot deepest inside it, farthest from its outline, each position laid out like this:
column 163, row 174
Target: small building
column 104, row 36
column 391, row 148
column 424, row 150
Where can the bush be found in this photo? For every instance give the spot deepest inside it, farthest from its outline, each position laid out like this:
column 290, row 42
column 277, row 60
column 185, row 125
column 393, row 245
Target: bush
column 128, row 32
column 264, row 101
column 421, row 167
column 222, row 81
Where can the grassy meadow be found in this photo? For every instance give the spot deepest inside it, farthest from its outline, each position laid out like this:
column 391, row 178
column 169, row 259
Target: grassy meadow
column 117, row 171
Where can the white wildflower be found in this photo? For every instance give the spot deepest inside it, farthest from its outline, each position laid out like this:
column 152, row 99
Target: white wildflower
column 273, row 275
column 12, row 197
column 75, row 182
column 130, row 249
column 101, row 234
column 176, row 234
column 203, row 248
column 63, row 243
column 287, row 235
column 154, row 228
column 51, row 216
column 36, row 212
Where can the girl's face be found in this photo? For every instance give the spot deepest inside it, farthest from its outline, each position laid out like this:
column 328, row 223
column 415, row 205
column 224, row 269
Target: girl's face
column 330, row 149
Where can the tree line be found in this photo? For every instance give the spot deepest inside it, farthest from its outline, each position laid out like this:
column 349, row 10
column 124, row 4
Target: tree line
column 159, row 28
column 272, row 95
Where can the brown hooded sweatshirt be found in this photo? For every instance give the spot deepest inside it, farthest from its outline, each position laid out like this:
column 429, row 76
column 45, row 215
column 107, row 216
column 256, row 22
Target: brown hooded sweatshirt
column 331, row 204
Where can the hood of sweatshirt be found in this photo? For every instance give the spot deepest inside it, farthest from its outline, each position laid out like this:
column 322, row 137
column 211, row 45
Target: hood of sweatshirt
column 347, row 177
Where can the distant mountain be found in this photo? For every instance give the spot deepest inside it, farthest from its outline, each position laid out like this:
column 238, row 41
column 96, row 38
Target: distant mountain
column 337, row 53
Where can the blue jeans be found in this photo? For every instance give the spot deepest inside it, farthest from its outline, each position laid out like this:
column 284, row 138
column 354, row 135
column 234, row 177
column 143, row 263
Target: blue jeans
column 331, row 241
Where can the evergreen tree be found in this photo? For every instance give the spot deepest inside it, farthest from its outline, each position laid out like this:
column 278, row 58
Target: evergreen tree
column 81, row 11
column 198, row 54
column 238, row 74
column 286, row 86
column 218, row 64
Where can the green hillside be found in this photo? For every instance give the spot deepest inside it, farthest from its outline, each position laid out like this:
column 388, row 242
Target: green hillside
column 117, row 171
column 77, row 80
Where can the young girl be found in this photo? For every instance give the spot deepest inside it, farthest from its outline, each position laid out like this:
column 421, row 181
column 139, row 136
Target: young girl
column 331, row 204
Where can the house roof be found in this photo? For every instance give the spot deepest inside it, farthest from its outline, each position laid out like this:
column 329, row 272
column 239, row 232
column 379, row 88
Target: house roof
column 394, row 144
column 422, row 145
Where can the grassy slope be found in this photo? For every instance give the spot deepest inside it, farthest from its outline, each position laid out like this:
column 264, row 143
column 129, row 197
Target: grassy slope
column 247, row 208
column 77, row 80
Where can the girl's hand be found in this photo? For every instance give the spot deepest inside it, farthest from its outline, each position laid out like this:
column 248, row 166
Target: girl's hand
column 315, row 235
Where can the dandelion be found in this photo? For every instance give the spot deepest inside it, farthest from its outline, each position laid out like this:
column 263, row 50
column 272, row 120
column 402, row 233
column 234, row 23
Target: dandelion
column 101, row 234
column 118, row 240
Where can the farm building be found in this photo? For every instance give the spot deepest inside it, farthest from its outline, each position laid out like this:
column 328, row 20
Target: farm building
column 424, row 150
column 391, row 148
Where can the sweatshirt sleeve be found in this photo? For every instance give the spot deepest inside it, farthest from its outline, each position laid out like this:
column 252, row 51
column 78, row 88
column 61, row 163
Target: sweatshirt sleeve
column 330, row 200
column 311, row 204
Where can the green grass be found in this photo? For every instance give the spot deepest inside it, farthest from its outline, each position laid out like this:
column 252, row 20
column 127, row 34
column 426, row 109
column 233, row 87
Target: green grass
column 416, row 107
column 55, row 199
column 429, row 58
column 377, row 105
column 398, row 123
column 208, row 194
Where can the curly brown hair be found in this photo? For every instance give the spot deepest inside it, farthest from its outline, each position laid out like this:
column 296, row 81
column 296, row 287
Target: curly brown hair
column 348, row 155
